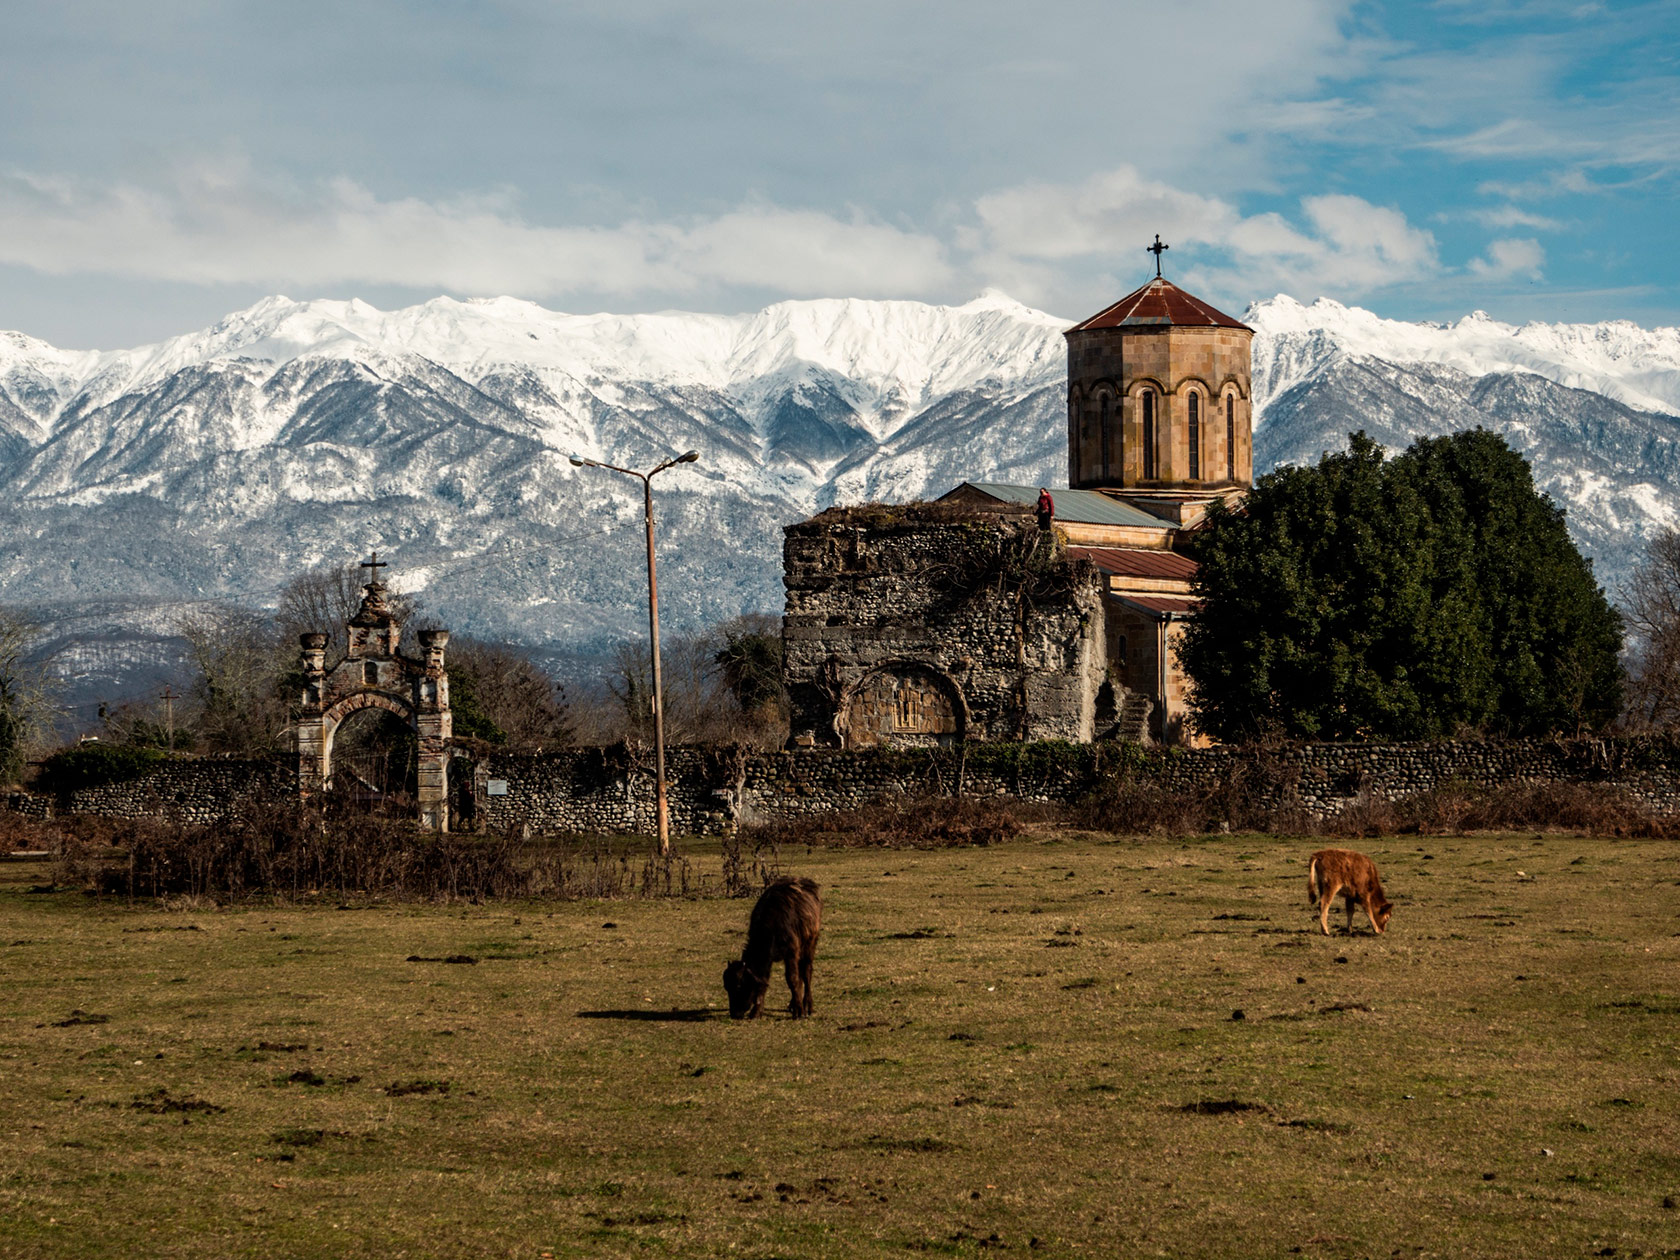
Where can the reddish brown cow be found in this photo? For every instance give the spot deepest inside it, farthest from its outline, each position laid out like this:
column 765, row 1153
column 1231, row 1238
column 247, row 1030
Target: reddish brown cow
column 783, row 928
column 1354, row 876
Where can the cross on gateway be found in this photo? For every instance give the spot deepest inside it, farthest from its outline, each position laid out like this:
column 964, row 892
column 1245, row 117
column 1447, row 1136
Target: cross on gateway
column 373, row 564
column 1158, row 248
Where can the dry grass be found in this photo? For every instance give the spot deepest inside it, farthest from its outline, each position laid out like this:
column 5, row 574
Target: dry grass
column 1027, row 1041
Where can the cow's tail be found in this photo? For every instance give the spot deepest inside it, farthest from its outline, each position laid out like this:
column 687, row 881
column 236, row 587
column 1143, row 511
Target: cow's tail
column 1312, row 882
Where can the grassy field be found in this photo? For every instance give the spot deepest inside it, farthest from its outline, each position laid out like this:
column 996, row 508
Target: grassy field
column 1033, row 1048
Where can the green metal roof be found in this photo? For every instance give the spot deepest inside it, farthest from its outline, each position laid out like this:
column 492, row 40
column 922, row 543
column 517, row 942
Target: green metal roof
column 1085, row 507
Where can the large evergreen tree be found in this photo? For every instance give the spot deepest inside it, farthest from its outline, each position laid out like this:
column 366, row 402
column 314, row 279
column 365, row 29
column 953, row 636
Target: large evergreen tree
column 1404, row 599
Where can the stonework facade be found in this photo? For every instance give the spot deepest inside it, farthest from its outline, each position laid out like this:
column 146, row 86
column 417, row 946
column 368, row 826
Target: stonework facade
column 1159, row 431
column 921, row 626
column 374, row 674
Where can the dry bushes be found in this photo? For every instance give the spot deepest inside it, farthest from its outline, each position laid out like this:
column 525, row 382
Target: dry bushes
column 1594, row 808
column 296, row 854
column 1253, row 800
column 920, row 822
column 1259, row 795
column 23, row 833
column 1127, row 807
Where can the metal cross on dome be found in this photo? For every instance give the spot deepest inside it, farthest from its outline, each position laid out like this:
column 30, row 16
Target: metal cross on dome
column 373, row 564
column 1158, row 248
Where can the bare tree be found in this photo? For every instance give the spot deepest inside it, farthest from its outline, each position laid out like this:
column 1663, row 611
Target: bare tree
column 241, row 667
column 721, row 686
column 147, row 723
column 631, row 683
column 323, row 599
column 1653, row 614
column 500, row 694
column 26, row 694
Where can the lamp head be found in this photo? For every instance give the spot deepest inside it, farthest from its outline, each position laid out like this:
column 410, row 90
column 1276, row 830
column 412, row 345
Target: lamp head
column 689, row 458
column 574, row 461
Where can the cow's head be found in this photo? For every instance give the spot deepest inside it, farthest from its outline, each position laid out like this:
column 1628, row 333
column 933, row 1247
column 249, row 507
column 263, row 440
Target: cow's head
column 746, row 991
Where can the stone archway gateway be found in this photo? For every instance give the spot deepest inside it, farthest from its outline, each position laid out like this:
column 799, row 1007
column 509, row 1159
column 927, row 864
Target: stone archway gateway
column 374, row 674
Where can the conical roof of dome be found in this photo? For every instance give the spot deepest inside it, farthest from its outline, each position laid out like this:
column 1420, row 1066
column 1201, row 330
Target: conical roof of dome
column 1159, row 304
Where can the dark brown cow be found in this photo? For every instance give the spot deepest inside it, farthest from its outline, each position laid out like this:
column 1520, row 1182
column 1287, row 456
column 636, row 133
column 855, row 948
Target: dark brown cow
column 783, row 928
column 1354, row 876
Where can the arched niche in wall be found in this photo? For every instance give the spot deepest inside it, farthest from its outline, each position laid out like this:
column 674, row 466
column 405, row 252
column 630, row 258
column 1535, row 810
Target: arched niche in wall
column 906, row 704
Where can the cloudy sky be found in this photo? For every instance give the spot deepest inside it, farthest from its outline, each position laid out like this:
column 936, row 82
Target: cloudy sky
column 166, row 162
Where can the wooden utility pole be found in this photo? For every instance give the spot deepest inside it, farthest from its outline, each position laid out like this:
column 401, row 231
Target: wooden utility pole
column 169, row 715
column 662, row 813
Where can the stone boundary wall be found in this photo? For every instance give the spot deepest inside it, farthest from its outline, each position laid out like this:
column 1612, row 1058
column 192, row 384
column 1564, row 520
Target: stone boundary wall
column 198, row 790
column 1324, row 778
column 610, row 790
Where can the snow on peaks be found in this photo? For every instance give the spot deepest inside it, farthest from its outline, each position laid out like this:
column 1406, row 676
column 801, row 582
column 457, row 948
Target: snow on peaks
column 1634, row 365
column 908, row 349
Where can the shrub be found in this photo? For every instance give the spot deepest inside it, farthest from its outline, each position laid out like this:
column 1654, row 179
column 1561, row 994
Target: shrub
column 918, row 822
column 94, row 765
column 295, row 852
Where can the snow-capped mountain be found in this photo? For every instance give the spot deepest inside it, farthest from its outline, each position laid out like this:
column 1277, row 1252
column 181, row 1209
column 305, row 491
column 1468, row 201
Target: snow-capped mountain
column 218, row 464
column 1594, row 407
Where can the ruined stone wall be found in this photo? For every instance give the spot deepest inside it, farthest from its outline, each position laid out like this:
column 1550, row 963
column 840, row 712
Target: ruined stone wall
column 611, row 790
column 599, row 790
column 198, row 790
column 1326, row 777
column 924, row 626
column 587, row 791
column 28, row 804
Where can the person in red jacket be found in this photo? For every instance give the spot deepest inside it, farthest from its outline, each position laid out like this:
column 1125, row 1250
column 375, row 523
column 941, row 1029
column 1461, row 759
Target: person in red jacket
column 1046, row 508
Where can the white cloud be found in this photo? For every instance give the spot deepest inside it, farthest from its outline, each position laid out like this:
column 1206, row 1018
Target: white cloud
column 1344, row 245
column 218, row 225
column 1057, row 245
column 1512, row 216
column 1511, row 258
column 1106, row 212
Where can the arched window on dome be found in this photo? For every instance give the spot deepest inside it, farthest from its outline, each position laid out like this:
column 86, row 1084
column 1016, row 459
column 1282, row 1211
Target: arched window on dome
column 1195, row 436
column 1102, row 430
column 1148, row 435
column 1074, row 452
column 1231, row 437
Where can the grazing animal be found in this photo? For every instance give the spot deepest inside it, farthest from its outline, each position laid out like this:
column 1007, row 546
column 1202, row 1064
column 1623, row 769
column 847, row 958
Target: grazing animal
column 783, row 928
column 1354, row 875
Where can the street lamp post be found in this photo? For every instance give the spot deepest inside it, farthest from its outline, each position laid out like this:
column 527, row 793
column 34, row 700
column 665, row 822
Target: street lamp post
column 662, row 810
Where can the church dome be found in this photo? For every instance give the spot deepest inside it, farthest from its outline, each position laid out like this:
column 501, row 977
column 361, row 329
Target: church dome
column 1159, row 304
column 1158, row 397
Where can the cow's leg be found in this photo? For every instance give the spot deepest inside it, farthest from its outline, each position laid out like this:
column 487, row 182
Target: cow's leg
column 1326, row 899
column 1371, row 914
column 796, row 997
column 1350, row 902
column 805, row 978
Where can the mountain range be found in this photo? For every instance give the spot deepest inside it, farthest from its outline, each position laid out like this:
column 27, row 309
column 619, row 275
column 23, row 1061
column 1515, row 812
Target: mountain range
column 216, row 465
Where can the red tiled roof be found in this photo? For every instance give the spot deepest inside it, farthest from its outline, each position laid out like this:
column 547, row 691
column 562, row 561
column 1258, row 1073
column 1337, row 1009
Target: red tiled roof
column 1160, row 303
column 1125, row 562
column 1162, row 603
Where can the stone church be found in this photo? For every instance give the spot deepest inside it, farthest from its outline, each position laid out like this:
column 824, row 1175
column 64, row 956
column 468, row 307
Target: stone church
column 962, row 619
